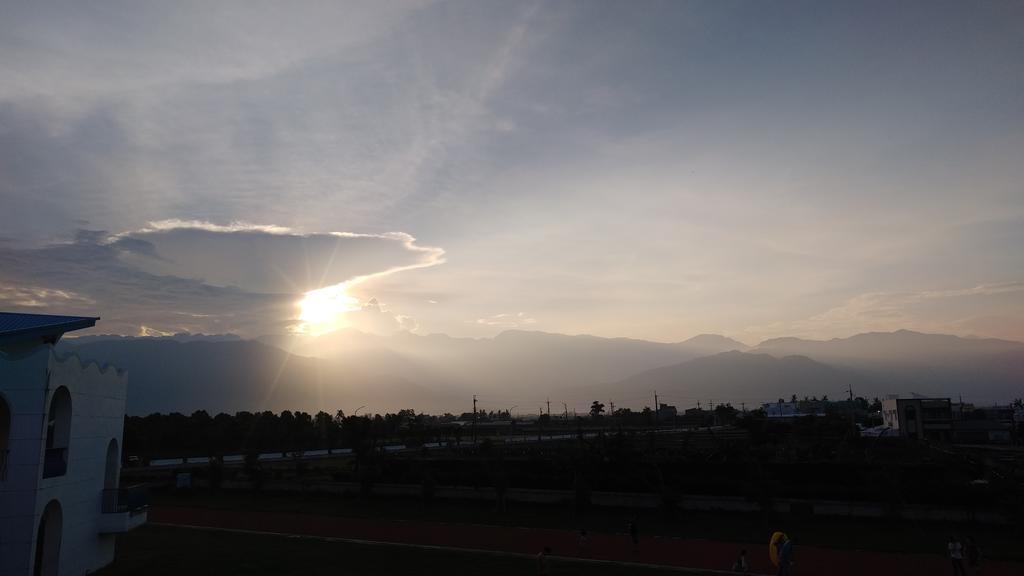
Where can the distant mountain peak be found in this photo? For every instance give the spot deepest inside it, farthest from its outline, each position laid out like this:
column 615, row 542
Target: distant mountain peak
column 903, row 333
column 712, row 344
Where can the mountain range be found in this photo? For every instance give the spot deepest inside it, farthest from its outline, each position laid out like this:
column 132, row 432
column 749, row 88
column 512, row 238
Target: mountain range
column 523, row 369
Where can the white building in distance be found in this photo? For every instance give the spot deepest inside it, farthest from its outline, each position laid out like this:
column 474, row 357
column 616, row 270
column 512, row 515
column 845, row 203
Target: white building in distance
column 61, row 424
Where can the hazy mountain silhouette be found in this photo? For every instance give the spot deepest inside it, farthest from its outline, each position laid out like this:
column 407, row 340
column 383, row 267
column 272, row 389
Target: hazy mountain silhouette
column 900, row 347
column 166, row 375
column 713, row 344
column 439, row 373
column 738, row 377
column 521, row 364
column 980, row 369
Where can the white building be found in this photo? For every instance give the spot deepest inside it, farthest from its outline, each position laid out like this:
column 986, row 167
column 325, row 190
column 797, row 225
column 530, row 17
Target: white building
column 61, row 422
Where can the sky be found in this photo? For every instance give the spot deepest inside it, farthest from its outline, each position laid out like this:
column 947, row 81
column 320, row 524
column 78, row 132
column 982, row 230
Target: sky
column 645, row 169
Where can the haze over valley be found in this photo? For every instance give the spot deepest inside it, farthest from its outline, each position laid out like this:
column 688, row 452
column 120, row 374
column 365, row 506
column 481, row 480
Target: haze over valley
column 524, row 369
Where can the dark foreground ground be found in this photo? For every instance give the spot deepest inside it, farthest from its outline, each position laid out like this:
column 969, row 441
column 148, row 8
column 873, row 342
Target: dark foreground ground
column 161, row 550
column 203, row 532
column 883, row 535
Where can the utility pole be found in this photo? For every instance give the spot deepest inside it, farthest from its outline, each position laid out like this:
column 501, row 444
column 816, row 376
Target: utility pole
column 853, row 410
column 474, row 419
column 549, row 407
column 566, row 408
column 657, row 408
column 612, row 406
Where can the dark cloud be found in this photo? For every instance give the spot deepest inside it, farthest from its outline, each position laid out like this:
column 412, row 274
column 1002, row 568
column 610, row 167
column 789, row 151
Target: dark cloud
column 157, row 280
column 267, row 260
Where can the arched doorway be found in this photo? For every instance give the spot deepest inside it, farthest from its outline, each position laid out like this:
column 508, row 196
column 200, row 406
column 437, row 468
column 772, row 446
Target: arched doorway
column 58, row 434
column 5, row 435
column 51, row 526
column 111, row 471
column 112, row 468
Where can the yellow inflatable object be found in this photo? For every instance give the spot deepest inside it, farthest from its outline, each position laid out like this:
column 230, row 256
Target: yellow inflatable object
column 773, row 546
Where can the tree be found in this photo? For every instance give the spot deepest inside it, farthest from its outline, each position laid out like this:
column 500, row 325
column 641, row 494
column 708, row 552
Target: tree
column 596, row 409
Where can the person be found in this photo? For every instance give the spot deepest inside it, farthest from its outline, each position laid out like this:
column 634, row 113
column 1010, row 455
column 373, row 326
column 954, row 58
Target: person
column 542, row 562
column 785, row 556
column 634, row 535
column 584, row 543
column 740, row 565
column 956, row 556
column 973, row 555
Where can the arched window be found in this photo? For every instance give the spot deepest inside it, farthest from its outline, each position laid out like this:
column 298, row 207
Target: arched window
column 58, row 434
column 48, row 537
column 5, row 435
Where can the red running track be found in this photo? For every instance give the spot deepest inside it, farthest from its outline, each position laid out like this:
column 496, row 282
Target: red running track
column 666, row 551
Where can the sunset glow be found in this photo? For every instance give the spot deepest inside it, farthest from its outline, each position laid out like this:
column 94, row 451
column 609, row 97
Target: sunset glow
column 323, row 310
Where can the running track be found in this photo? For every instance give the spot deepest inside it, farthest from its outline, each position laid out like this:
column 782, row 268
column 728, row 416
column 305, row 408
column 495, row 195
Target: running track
column 666, row 551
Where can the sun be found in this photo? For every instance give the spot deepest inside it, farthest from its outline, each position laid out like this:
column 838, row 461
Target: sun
column 322, row 311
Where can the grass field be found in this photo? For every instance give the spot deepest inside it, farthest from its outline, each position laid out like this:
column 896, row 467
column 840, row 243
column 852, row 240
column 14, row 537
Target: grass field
column 159, row 550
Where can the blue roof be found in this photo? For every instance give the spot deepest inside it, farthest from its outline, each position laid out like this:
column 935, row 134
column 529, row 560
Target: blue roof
column 44, row 327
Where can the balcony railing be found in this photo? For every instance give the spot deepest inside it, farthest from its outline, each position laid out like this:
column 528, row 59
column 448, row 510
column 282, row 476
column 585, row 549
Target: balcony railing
column 128, row 499
column 4, row 457
column 55, row 462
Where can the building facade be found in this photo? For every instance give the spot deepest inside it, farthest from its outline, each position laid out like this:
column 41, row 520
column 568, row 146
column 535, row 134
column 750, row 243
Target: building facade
column 919, row 418
column 61, row 424
column 983, row 424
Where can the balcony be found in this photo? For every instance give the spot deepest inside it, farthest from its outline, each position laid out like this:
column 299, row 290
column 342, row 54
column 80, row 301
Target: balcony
column 123, row 509
column 55, row 462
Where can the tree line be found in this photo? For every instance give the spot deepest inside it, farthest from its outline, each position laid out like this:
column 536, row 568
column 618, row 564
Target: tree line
column 177, row 435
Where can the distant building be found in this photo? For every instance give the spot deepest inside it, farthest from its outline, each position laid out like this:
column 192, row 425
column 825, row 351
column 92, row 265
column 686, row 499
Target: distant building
column 696, row 418
column 983, row 424
column 790, row 409
column 667, row 412
column 61, row 423
column 919, row 418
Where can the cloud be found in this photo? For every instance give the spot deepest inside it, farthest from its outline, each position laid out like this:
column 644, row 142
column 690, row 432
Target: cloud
column 37, row 297
column 102, row 50
column 994, row 309
column 200, row 277
column 377, row 318
column 506, row 320
column 685, row 195
column 268, row 259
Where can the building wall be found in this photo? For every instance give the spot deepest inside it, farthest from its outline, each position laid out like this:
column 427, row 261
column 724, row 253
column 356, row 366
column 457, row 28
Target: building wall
column 22, row 384
column 931, row 419
column 890, row 413
column 97, row 416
